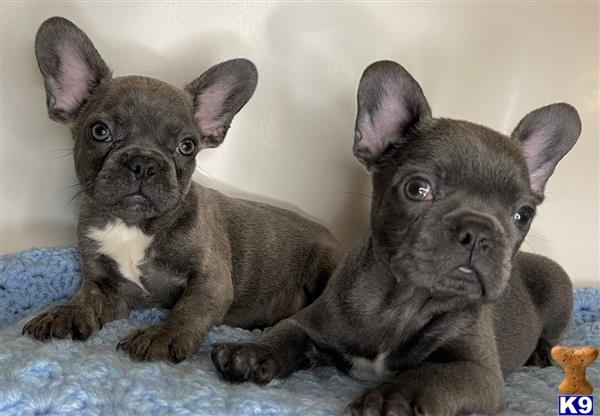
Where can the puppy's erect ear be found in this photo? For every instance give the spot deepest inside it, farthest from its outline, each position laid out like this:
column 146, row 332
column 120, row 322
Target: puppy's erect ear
column 70, row 65
column 390, row 103
column 546, row 135
column 219, row 94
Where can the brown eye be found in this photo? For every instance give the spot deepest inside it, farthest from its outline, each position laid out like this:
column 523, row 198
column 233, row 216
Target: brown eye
column 418, row 190
column 523, row 217
column 100, row 132
column 186, row 147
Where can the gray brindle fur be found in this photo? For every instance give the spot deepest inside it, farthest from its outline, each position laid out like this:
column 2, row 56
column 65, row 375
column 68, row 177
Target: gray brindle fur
column 435, row 301
column 148, row 236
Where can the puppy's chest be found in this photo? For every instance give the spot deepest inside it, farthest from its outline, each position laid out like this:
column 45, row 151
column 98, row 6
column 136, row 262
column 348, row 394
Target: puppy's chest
column 393, row 333
column 376, row 369
column 388, row 358
column 383, row 364
column 137, row 258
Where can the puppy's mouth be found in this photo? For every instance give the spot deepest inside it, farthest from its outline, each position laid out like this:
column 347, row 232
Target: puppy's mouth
column 137, row 201
column 465, row 281
column 137, row 196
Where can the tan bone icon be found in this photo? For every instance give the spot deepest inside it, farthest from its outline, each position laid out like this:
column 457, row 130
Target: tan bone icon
column 574, row 362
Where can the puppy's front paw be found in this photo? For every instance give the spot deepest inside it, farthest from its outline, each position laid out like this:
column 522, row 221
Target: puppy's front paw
column 77, row 321
column 160, row 343
column 388, row 399
column 245, row 362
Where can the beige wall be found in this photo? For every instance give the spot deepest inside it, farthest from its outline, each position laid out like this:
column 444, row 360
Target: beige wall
column 489, row 63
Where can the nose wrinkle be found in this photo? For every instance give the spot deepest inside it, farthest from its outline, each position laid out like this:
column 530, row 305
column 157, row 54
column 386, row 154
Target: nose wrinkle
column 131, row 150
column 480, row 217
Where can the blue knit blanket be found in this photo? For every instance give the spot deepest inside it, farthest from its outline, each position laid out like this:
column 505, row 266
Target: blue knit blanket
column 92, row 378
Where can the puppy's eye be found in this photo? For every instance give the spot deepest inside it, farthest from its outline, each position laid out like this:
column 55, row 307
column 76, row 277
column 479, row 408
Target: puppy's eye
column 186, row 147
column 100, row 131
column 418, row 190
column 523, row 216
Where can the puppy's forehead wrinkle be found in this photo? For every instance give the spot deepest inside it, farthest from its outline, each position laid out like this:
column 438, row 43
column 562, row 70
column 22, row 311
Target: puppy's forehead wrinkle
column 155, row 86
column 454, row 152
column 142, row 99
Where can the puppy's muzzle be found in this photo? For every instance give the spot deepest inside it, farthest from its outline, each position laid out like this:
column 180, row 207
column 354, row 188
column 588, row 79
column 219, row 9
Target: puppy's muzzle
column 478, row 237
column 143, row 167
column 143, row 164
column 473, row 232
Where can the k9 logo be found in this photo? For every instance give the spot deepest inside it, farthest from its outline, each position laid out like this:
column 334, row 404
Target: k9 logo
column 576, row 405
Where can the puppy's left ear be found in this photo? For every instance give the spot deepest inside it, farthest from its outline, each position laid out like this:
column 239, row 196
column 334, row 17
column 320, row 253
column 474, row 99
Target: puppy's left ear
column 219, row 94
column 546, row 135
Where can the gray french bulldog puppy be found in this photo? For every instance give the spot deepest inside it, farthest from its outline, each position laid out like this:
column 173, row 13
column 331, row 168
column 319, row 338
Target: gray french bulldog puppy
column 435, row 301
column 147, row 235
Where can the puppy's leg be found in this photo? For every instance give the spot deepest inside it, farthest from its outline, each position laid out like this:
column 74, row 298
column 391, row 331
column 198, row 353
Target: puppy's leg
column 93, row 305
column 462, row 377
column 201, row 306
column 435, row 389
column 277, row 353
column 552, row 294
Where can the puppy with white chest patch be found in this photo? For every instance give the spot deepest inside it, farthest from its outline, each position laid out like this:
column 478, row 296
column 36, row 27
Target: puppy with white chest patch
column 436, row 302
column 147, row 235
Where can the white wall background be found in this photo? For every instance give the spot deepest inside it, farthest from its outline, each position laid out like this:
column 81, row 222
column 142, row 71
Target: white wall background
column 486, row 62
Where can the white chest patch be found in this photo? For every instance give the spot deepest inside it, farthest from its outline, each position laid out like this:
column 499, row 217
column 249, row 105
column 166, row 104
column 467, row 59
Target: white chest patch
column 375, row 370
column 125, row 244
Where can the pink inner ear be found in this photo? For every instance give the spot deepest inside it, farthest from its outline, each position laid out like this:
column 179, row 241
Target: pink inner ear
column 533, row 149
column 383, row 128
column 72, row 85
column 209, row 113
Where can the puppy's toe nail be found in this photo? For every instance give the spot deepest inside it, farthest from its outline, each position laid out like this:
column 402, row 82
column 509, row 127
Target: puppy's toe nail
column 121, row 345
column 214, row 355
column 79, row 335
column 176, row 356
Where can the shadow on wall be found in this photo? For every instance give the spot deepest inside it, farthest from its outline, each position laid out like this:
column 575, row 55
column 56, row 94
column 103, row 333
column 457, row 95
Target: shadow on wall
column 319, row 106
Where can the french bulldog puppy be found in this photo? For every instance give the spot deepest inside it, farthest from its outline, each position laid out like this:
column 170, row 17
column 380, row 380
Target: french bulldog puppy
column 150, row 237
column 435, row 301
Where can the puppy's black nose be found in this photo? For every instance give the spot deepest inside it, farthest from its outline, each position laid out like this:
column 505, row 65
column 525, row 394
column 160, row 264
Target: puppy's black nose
column 473, row 233
column 143, row 167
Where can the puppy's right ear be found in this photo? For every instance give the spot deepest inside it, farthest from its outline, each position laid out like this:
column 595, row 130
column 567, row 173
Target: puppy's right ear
column 70, row 65
column 219, row 94
column 390, row 103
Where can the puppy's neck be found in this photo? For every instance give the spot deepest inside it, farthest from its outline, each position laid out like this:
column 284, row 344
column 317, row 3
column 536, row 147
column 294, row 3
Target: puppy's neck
column 378, row 255
column 184, row 210
column 91, row 214
column 375, row 270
